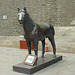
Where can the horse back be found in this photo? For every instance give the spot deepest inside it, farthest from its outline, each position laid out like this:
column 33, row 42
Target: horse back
column 46, row 28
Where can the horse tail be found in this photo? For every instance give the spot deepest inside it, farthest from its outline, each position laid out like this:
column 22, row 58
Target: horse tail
column 52, row 30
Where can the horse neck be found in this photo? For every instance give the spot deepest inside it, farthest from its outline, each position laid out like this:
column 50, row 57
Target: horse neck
column 28, row 25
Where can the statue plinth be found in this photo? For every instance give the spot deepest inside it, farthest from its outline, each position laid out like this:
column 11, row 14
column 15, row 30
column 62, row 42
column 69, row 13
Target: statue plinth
column 41, row 64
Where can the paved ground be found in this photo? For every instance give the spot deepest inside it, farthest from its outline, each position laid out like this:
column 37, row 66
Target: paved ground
column 13, row 56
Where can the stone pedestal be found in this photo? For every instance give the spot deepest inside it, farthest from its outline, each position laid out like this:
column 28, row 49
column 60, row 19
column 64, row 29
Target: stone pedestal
column 41, row 64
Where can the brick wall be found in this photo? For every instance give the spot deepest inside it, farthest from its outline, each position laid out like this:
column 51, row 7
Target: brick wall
column 60, row 13
column 56, row 12
column 64, row 38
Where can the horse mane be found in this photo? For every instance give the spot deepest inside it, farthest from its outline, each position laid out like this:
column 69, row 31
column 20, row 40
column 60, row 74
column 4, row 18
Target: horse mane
column 28, row 24
column 31, row 21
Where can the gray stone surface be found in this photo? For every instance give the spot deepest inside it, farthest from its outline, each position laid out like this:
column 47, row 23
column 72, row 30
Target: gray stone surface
column 12, row 56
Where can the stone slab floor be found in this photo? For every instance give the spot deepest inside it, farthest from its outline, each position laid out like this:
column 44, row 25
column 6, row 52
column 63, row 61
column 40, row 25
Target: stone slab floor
column 13, row 56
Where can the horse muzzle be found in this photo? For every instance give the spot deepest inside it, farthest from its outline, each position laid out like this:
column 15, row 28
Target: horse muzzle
column 20, row 21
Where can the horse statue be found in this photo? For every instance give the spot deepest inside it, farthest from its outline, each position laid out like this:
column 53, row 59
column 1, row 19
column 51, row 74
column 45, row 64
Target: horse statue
column 36, row 32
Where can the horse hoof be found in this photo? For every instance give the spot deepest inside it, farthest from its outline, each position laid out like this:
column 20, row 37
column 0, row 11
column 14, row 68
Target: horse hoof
column 42, row 56
column 54, row 56
column 35, row 63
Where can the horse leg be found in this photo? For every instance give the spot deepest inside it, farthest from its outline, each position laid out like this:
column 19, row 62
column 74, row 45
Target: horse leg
column 35, row 42
column 43, row 48
column 51, row 39
column 29, row 46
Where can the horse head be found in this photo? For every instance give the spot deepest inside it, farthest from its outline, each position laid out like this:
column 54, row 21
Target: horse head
column 21, row 15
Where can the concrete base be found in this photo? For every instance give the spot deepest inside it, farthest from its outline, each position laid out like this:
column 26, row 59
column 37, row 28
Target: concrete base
column 41, row 64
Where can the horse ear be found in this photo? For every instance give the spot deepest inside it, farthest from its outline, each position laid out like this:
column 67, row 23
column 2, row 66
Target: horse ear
column 18, row 9
column 25, row 8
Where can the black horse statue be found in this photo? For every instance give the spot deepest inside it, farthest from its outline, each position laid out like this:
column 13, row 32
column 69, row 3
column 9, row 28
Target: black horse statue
column 36, row 32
